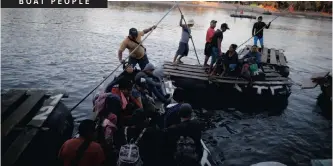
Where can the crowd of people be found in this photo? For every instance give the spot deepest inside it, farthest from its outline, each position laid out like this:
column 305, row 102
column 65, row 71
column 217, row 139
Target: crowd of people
column 127, row 111
column 130, row 128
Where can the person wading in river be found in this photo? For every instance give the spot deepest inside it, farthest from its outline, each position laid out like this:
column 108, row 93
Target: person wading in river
column 131, row 42
column 183, row 43
column 216, row 44
column 258, row 32
column 209, row 36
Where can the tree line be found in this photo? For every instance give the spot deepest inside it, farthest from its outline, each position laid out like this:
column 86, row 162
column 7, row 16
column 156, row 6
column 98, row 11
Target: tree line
column 316, row 6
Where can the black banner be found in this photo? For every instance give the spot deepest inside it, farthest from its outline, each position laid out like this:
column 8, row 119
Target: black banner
column 54, row 3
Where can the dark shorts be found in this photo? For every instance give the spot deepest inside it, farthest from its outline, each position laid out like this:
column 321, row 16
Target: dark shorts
column 208, row 49
column 142, row 62
column 182, row 49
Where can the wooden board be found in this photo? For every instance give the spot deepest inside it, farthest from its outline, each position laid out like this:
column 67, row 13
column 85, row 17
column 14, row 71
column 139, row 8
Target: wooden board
column 213, row 79
column 17, row 116
column 201, row 70
column 18, row 146
column 168, row 71
column 308, row 84
column 185, row 65
column 282, row 59
column 44, row 112
column 273, row 57
column 11, row 99
column 264, row 55
column 184, row 69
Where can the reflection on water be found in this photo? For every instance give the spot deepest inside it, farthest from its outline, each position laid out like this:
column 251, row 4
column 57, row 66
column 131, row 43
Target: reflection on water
column 74, row 49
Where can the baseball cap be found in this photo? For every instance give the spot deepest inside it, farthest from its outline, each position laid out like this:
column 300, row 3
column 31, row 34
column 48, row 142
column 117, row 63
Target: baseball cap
column 141, row 82
column 213, row 21
column 149, row 66
column 133, row 32
column 225, row 25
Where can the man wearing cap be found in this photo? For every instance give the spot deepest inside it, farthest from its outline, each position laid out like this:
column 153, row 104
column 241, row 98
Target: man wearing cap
column 188, row 127
column 209, row 36
column 153, row 86
column 183, row 43
column 216, row 44
column 131, row 42
column 258, row 31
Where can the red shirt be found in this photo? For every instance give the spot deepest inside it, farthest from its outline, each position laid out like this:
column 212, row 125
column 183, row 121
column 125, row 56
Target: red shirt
column 209, row 35
column 94, row 155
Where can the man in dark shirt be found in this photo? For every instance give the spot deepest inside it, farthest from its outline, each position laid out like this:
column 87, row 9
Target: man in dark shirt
column 258, row 31
column 187, row 128
column 216, row 44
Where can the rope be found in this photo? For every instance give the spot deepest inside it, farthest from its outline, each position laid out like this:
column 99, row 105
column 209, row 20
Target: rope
column 259, row 30
column 124, row 59
column 195, row 51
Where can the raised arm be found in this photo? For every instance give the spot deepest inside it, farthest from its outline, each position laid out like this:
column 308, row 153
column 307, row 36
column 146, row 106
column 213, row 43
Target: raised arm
column 181, row 22
column 149, row 29
column 267, row 26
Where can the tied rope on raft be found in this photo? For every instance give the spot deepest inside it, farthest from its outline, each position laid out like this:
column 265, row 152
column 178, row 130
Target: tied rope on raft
column 124, row 59
column 261, row 29
column 195, row 51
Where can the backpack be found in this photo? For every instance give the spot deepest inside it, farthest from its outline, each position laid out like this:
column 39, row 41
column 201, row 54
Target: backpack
column 186, row 150
column 129, row 153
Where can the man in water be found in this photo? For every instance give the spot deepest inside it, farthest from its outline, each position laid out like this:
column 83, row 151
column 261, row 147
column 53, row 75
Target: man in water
column 131, row 42
column 216, row 44
column 209, row 36
column 183, row 44
column 258, row 31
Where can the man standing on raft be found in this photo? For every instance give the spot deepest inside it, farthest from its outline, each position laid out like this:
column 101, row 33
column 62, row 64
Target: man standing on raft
column 209, row 36
column 131, row 42
column 258, row 31
column 183, row 44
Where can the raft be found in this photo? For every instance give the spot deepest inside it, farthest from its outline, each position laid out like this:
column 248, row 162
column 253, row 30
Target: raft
column 267, row 13
column 207, row 91
column 243, row 16
column 34, row 125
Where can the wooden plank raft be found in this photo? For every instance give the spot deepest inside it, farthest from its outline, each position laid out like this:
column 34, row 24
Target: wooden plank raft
column 25, row 113
column 198, row 72
column 270, row 56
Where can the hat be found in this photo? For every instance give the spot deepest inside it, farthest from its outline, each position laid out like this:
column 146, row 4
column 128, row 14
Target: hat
column 141, row 82
column 213, row 21
column 133, row 32
column 225, row 25
column 149, row 66
column 190, row 22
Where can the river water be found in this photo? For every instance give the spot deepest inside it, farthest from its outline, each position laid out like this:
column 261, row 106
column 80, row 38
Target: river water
column 73, row 49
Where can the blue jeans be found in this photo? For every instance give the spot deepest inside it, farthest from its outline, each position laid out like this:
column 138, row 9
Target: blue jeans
column 214, row 54
column 261, row 40
column 142, row 62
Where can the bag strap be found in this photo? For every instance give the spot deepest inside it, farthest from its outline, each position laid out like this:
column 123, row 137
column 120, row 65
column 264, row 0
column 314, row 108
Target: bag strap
column 79, row 153
column 141, row 134
column 137, row 43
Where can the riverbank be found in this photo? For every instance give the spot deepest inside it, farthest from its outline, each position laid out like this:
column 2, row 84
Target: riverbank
column 233, row 7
